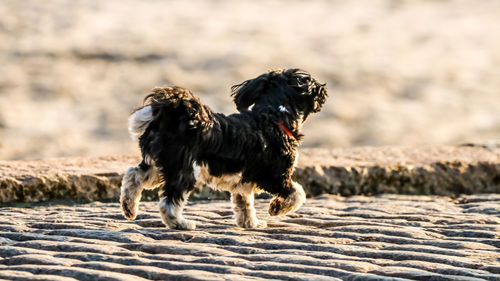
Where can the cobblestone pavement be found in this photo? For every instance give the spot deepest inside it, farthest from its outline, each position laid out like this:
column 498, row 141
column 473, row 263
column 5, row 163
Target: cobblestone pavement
column 330, row 238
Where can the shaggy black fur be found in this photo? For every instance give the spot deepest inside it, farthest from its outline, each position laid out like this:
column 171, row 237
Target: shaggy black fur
column 184, row 131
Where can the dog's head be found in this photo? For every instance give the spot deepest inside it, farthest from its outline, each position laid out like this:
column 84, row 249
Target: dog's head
column 291, row 90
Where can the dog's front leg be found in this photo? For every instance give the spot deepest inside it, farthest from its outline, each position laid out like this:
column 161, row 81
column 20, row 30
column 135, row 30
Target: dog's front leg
column 281, row 205
column 244, row 211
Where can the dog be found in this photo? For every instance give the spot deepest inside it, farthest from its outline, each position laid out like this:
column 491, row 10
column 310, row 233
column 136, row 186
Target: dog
column 184, row 144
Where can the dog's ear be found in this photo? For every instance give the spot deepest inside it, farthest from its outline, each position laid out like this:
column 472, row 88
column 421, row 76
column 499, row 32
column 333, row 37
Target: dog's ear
column 247, row 93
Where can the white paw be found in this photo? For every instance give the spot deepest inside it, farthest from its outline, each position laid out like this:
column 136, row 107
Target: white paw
column 129, row 208
column 282, row 206
column 253, row 223
column 183, row 225
column 261, row 224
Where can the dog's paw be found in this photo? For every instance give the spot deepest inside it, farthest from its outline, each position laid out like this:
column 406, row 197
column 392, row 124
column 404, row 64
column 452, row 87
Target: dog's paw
column 277, row 206
column 253, row 224
column 261, row 224
column 183, row 225
column 282, row 206
column 129, row 208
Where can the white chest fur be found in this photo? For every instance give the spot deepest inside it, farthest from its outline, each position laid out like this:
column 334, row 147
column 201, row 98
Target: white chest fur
column 227, row 182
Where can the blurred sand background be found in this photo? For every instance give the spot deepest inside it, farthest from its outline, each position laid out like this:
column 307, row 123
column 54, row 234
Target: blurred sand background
column 398, row 72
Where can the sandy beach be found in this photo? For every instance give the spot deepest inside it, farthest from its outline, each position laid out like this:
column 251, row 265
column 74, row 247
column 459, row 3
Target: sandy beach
column 398, row 72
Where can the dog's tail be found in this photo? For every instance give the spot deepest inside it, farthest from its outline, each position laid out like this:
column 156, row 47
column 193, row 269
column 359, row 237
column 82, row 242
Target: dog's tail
column 175, row 104
column 139, row 121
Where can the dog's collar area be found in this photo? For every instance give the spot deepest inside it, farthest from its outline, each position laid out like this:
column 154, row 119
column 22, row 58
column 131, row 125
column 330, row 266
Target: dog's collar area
column 284, row 128
column 282, row 108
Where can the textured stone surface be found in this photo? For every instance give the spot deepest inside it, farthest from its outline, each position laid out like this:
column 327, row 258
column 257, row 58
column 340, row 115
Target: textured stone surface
column 369, row 170
column 330, row 238
column 401, row 170
column 81, row 179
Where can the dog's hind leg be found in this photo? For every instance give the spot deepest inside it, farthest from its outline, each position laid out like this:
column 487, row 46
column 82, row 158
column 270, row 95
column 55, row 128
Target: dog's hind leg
column 281, row 205
column 133, row 182
column 171, row 207
column 244, row 211
column 171, row 214
column 175, row 191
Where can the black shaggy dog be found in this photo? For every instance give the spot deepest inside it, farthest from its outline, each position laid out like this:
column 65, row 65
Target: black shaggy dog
column 184, row 143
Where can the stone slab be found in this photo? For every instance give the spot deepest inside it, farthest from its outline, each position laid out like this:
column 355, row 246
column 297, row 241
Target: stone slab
column 385, row 237
column 349, row 171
